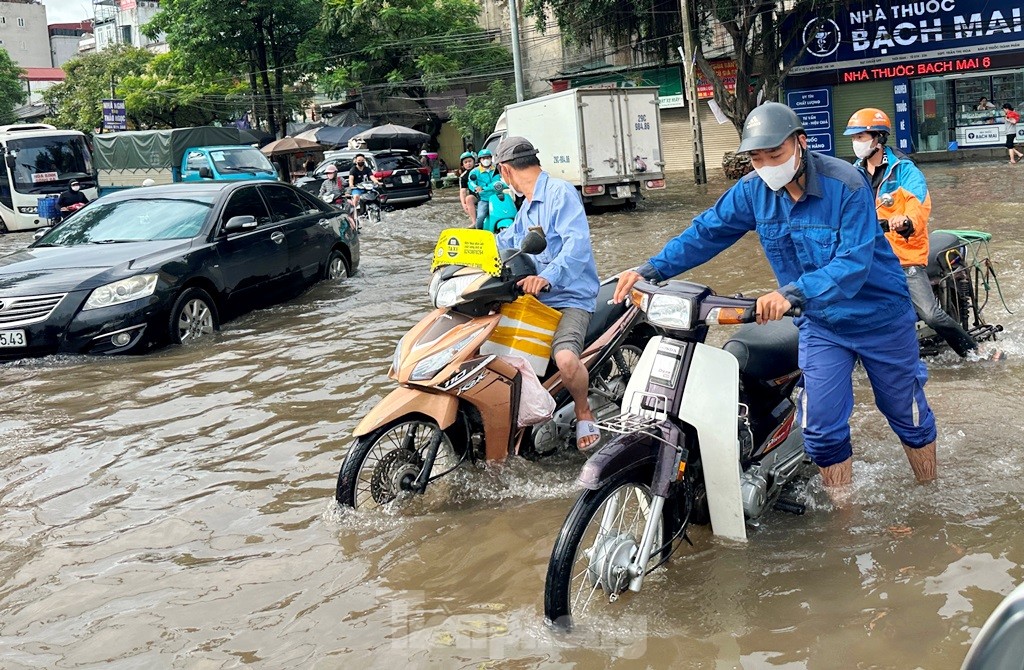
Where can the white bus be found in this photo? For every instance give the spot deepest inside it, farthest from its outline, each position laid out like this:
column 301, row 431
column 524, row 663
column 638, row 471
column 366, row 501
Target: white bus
column 39, row 160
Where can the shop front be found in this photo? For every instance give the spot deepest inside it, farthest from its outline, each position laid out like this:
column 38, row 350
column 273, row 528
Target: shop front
column 928, row 64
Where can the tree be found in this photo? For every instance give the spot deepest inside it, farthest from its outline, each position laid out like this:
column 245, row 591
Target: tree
column 12, row 92
column 76, row 102
column 409, row 48
column 760, row 32
column 481, row 111
column 257, row 40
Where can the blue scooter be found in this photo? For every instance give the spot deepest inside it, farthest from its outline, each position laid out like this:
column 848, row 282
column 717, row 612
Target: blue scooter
column 502, row 208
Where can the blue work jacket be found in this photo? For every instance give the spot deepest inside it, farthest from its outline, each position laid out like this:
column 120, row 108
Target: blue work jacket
column 827, row 250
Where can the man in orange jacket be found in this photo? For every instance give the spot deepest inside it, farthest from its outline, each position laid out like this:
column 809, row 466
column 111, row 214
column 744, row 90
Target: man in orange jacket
column 901, row 197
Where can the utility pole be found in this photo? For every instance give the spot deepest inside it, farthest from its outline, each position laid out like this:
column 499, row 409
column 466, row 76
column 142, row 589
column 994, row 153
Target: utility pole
column 517, row 58
column 700, row 173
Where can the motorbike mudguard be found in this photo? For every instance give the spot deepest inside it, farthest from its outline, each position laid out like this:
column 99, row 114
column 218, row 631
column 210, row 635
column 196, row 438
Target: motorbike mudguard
column 622, row 453
column 405, row 400
column 710, row 404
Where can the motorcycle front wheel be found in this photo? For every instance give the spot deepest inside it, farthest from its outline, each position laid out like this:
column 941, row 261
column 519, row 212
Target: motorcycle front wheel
column 384, row 463
column 587, row 571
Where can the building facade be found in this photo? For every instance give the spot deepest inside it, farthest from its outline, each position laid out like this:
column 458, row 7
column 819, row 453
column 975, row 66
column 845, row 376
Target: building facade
column 121, row 21
column 65, row 39
column 23, row 33
column 926, row 64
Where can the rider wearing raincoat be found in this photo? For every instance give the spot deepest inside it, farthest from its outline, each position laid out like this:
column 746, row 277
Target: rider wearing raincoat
column 481, row 183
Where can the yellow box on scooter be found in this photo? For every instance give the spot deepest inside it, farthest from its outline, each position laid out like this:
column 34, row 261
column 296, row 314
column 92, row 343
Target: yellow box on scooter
column 527, row 329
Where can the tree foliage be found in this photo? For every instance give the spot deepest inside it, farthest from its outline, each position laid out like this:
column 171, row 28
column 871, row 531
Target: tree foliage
column 406, row 47
column 12, row 93
column 77, row 100
column 481, row 111
column 256, row 40
column 760, row 31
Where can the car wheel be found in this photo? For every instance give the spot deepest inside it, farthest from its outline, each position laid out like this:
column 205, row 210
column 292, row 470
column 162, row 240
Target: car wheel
column 337, row 266
column 193, row 316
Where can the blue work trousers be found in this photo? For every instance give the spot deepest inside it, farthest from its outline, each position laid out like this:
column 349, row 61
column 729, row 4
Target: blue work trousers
column 483, row 208
column 891, row 357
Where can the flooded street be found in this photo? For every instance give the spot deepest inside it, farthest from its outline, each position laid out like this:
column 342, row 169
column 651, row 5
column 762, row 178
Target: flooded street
column 176, row 510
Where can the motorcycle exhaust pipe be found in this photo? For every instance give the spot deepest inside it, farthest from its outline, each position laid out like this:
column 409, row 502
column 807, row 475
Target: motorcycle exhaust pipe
column 790, row 506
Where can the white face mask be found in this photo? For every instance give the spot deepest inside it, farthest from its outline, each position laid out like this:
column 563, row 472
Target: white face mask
column 76, row 187
column 486, row 162
column 863, row 149
column 777, row 176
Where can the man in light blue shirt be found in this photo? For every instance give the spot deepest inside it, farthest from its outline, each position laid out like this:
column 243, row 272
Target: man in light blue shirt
column 566, row 267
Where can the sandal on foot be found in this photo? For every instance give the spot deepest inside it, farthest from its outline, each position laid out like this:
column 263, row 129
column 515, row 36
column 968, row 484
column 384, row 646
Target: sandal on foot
column 587, row 429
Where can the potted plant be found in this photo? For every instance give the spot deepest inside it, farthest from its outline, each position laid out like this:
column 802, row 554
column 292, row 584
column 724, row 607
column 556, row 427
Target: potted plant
column 930, row 129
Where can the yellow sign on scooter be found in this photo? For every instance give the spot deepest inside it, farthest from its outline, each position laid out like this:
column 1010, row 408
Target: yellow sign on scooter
column 467, row 246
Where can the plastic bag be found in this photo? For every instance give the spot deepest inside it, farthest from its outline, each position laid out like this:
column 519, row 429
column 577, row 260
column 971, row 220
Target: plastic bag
column 535, row 404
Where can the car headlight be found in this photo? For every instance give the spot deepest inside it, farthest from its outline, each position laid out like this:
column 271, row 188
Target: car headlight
column 431, row 365
column 670, row 311
column 449, row 292
column 122, row 291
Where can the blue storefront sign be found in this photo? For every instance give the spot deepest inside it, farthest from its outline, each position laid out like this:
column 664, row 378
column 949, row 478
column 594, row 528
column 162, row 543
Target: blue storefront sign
column 814, row 107
column 901, row 124
column 115, row 116
column 892, row 33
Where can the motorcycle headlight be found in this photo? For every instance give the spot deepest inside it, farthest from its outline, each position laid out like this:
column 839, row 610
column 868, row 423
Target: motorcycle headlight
column 431, row 365
column 448, row 292
column 670, row 311
column 122, row 291
column 396, row 358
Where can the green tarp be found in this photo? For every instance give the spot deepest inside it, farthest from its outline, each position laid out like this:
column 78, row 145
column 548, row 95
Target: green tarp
column 158, row 149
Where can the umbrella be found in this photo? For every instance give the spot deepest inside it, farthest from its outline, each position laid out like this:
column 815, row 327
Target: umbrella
column 290, row 145
column 332, row 135
column 390, row 135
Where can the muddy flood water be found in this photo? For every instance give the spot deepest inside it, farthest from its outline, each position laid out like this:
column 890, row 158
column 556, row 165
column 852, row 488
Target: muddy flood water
column 176, row 510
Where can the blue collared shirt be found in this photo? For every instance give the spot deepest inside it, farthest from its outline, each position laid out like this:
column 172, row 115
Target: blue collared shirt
column 568, row 262
column 827, row 250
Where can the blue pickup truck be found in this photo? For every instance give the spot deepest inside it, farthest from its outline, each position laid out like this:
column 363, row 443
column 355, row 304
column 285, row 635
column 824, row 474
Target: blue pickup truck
column 206, row 153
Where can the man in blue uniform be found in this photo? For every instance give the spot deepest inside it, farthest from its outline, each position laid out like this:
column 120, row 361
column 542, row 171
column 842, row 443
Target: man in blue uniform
column 816, row 219
column 566, row 266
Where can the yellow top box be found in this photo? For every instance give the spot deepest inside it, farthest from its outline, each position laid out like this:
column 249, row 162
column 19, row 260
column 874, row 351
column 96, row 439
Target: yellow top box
column 467, row 246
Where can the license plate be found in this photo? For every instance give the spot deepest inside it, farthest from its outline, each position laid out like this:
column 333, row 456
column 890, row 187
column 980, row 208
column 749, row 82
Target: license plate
column 622, row 191
column 406, row 179
column 13, row 338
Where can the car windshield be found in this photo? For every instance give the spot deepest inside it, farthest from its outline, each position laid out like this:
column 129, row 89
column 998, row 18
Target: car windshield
column 134, row 220
column 242, row 159
column 40, row 163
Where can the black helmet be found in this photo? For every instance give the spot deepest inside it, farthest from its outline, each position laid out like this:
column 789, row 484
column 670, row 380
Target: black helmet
column 768, row 126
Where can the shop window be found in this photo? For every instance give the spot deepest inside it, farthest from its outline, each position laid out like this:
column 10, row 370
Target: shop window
column 932, row 118
column 21, row 22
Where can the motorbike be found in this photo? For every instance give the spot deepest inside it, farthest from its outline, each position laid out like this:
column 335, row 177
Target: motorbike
column 705, row 434
column 370, row 203
column 502, row 209
column 962, row 277
column 459, row 396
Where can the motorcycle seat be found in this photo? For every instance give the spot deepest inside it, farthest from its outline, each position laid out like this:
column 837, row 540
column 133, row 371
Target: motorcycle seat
column 766, row 352
column 938, row 245
column 604, row 314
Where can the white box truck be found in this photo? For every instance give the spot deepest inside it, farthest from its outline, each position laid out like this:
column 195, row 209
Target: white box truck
column 605, row 141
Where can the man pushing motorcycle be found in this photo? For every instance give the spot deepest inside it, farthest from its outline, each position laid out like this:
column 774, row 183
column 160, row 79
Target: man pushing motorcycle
column 902, row 199
column 567, row 273
column 815, row 216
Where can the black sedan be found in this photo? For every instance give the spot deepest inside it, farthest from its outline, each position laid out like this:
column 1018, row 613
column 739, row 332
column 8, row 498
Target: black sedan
column 163, row 264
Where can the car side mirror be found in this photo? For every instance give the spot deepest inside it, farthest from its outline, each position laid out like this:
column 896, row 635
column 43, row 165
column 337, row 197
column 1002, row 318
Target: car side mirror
column 239, row 222
column 42, row 231
column 533, row 243
column 205, row 173
column 10, row 161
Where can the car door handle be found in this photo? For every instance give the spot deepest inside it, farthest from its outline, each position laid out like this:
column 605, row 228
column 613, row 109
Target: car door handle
column 278, row 237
